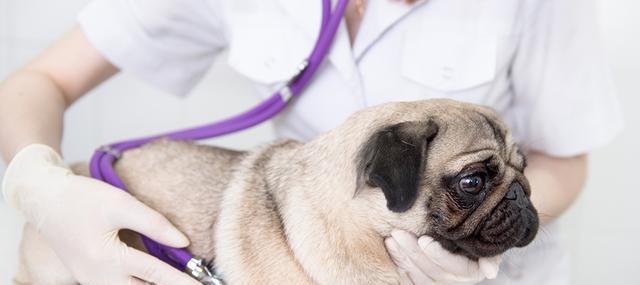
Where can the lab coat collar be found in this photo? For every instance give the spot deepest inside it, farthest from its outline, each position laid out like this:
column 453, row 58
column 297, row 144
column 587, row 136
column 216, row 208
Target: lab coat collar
column 380, row 16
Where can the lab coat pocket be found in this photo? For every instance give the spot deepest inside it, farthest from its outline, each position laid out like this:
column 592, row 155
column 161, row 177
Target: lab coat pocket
column 266, row 49
column 447, row 60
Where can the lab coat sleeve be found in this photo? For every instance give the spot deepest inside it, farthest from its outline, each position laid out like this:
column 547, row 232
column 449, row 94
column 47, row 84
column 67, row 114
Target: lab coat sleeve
column 565, row 102
column 167, row 43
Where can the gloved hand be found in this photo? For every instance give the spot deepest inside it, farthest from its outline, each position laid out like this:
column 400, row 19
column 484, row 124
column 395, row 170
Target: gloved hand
column 80, row 218
column 424, row 262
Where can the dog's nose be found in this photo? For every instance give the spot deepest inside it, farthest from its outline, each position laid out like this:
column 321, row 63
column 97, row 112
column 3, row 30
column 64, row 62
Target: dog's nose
column 514, row 190
column 517, row 195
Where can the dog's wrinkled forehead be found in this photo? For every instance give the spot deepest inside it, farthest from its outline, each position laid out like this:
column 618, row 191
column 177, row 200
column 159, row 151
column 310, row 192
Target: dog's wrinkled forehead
column 473, row 134
column 462, row 117
column 463, row 128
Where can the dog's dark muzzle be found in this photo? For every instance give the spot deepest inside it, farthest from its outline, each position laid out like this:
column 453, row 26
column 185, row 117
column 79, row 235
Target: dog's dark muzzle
column 512, row 223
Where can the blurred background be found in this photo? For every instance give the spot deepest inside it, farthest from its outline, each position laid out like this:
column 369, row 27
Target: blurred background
column 600, row 230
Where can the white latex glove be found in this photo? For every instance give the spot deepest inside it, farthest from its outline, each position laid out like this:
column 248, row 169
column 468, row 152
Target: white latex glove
column 424, row 262
column 80, row 218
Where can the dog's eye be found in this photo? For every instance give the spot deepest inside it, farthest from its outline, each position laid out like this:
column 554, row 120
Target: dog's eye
column 472, row 184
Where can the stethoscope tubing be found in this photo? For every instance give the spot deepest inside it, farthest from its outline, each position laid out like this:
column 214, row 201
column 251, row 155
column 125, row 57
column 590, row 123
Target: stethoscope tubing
column 103, row 160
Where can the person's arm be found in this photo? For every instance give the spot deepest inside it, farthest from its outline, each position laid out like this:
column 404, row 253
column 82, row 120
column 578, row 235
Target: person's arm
column 38, row 184
column 33, row 99
column 555, row 183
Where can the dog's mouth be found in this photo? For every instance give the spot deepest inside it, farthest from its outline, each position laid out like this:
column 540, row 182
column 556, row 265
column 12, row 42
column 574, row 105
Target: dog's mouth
column 501, row 231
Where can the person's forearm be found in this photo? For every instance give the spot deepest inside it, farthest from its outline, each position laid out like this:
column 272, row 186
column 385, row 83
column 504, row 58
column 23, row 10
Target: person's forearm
column 555, row 183
column 33, row 100
column 31, row 111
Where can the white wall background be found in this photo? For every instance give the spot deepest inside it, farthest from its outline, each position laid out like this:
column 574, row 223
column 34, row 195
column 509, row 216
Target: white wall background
column 601, row 230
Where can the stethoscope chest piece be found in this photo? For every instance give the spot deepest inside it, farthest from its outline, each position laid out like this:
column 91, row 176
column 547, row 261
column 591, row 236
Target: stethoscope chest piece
column 204, row 274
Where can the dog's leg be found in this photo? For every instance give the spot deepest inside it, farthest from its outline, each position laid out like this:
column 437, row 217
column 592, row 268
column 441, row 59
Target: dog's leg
column 38, row 263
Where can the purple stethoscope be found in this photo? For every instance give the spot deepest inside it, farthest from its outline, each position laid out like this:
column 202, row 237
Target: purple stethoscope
column 106, row 156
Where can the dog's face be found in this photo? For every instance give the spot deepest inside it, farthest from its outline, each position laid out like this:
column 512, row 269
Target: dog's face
column 456, row 175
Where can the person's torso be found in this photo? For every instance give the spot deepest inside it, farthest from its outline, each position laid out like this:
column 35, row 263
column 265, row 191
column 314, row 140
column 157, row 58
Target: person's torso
column 432, row 49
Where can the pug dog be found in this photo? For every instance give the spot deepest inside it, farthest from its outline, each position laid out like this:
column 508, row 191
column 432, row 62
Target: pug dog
column 318, row 212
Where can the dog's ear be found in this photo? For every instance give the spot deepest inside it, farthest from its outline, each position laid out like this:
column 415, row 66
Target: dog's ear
column 393, row 159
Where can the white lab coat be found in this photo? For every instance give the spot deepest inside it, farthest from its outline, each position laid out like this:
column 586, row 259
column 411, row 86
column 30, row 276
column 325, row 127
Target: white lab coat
column 537, row 62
